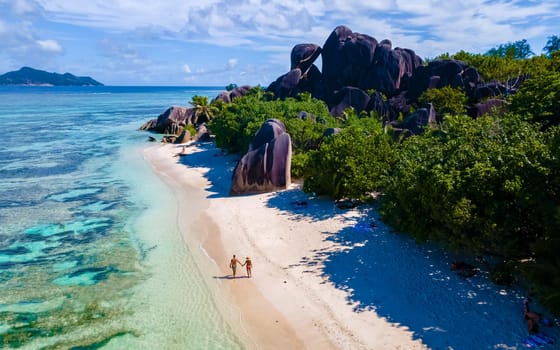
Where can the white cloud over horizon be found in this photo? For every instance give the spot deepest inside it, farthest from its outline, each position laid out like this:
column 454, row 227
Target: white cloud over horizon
column 49, row 45
column 154, row 39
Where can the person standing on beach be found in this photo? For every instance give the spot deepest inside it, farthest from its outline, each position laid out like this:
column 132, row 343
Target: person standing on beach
column 249, row 264
column 233, row 264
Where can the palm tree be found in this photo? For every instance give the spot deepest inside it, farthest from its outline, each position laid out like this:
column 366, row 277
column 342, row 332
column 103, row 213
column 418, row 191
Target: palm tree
column 203, row 111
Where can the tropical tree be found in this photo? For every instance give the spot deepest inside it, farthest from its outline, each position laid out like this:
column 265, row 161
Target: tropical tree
column 203, row 111
column 231, row 86
column 538, row 98
column 552, row 45
column 516, row 50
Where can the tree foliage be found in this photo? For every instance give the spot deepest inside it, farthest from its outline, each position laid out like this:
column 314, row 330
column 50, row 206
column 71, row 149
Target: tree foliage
column 445, row 100
column 539, row 97
column 492, row 67
column 515, row 50
column 238, row 122
column 552, row 45
column 352, row 163
column 203, row 111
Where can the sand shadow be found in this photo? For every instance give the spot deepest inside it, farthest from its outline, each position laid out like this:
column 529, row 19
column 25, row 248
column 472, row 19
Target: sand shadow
column 300, row 205
column 408, row 284
column 229, row 277
column 412, row 286
column 218, row 166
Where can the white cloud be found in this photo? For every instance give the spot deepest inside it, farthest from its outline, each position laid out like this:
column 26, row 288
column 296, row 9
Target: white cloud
column 252, row 22
column 263, row 32
column 49, row 45
column 21, row 7
column 231, row 63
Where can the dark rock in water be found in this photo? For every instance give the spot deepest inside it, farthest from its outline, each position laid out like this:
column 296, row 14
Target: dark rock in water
column 152, row 139
column 266, row 166
column 172, row 121
column 149, row 125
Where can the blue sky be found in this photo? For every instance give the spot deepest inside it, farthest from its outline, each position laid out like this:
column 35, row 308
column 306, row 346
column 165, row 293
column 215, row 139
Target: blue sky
column 216, row 42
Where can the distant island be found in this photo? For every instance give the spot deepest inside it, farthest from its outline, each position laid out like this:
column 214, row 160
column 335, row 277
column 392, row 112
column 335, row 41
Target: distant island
column 34, row 77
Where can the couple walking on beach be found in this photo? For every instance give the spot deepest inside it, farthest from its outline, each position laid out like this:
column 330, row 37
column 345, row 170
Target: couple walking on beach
column 233, row 265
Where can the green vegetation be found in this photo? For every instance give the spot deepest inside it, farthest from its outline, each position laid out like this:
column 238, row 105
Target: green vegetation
column 353, row 163
column 489, row 187
column 203, row 111
column 538, row 98
column 516, row 50
column 240, row 120
column 446, row 100
column 552, row 45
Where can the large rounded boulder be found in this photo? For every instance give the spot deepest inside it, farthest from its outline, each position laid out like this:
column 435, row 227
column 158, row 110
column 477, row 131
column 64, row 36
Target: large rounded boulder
column 266, row 166
column 172, row 121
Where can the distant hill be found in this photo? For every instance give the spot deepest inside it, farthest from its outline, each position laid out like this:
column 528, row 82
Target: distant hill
column 31, row 76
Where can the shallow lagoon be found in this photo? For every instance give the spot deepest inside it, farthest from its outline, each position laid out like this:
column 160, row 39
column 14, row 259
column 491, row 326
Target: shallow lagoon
column 90, row 253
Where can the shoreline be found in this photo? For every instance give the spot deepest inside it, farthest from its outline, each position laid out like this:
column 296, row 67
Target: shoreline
column 289, row 302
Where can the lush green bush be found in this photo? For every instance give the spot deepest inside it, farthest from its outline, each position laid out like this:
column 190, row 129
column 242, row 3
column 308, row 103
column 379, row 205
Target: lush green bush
column 236, row 124
column 445, row 100
column 539, row 97
column 544, row 269
column 489, row 186
column 352, row 163
column 469, row 184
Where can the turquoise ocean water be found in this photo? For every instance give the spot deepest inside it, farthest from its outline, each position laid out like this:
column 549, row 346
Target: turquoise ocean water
column 90, row 253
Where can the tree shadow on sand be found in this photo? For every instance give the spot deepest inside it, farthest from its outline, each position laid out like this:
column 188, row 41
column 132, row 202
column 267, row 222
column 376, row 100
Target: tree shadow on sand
column 412, row 286
column 299, row 205
column 408, row 284
column 218, row 167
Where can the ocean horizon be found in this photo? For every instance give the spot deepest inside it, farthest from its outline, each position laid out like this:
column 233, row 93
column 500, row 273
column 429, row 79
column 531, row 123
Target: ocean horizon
column 90, row 252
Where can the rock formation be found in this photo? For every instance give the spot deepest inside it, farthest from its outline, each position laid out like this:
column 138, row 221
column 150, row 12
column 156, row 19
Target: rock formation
column 228, row 96
column 267, row 164
column 369, row 75
column 172, row 121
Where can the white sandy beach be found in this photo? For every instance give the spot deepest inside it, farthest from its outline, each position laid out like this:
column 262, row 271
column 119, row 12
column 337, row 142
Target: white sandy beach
column 324, row 277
